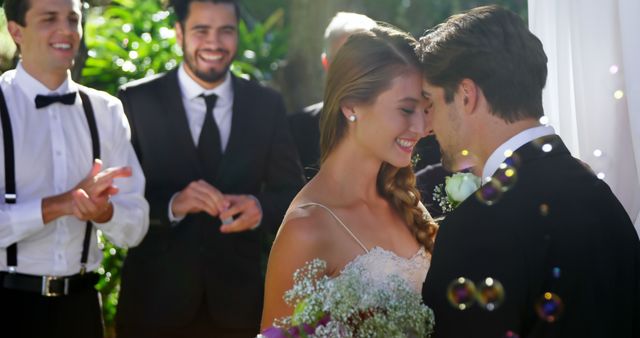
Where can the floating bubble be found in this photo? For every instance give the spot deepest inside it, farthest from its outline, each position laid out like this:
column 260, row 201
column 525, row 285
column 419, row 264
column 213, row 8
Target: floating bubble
column 597, row 153
column 506, row 176
column 545, row 143
column 555, row 272
column 613, row 69
column 490, row 192
column 549, row 307
column 490, row 294
column 511, row 334
column 544, row 209
column 512, row 161
column 544, row 120
column 461, row 293
column 601, row 175
column 618, row 94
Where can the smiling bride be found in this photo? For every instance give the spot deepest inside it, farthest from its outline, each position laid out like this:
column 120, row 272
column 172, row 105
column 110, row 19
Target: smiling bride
column 361, row 212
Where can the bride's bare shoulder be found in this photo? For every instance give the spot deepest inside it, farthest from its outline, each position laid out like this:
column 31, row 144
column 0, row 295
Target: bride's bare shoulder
column 306, row 223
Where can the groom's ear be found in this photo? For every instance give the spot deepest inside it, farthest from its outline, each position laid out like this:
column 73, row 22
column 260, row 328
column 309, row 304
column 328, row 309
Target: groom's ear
column 469, row 92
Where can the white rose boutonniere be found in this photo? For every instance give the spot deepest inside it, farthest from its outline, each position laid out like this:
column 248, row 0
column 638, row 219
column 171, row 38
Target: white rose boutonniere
column 457, row 188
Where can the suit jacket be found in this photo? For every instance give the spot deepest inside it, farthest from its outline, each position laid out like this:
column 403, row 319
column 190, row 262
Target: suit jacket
column 177, row 267
column 305, row 128
column 557, row 229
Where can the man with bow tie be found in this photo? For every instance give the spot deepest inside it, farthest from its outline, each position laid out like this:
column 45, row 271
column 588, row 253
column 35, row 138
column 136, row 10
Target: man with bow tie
column 67, row 170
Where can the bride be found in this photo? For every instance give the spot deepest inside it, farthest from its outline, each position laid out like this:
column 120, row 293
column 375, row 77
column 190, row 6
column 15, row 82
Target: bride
column 362, row 208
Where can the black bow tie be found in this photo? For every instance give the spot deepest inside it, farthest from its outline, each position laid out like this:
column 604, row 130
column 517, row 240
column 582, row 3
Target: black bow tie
column 45, row 100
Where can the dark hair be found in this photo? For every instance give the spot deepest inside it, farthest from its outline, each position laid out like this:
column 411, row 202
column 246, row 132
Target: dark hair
column 181, row 8
column 363, row 68
column 493, row 47
column 15, row 10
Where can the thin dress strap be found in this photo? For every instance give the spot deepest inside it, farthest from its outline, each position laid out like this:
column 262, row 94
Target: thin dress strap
column 339, row 221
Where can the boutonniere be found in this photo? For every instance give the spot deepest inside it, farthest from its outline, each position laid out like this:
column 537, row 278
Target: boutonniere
column 456, row 188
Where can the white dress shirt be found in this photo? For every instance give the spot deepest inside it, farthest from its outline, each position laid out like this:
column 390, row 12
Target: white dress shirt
column 195, row 107
column 500, row 154
column 53, row 153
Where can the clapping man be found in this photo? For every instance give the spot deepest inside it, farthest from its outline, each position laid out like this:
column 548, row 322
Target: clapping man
column 67, row 169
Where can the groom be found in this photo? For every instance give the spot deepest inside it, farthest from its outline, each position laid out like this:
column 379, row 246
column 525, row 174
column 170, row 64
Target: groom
column 550, row 250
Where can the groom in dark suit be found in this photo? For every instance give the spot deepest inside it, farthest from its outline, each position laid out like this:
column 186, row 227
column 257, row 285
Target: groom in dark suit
column 549, row 248
column 221, row 170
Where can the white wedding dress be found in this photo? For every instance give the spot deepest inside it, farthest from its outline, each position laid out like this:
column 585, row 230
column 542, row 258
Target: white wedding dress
column 378, row 265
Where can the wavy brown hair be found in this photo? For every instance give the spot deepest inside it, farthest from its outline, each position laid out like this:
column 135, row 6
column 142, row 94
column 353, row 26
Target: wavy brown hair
column 363, row 68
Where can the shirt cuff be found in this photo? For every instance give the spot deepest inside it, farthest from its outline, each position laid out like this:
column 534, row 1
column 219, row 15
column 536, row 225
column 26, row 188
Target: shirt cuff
column 261, row 214
column 173, row 218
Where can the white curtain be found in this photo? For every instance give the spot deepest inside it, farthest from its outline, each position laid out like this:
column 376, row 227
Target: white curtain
column 592, row 97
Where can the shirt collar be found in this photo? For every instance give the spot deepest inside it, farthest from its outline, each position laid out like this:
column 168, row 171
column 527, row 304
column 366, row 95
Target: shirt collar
column 500, row 154
column 32, row 87
column 191, row 89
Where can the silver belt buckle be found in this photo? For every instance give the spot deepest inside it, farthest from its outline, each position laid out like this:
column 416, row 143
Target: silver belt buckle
column 46, row 284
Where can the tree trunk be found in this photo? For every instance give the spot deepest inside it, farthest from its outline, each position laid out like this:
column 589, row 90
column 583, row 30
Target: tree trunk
column 302, row 79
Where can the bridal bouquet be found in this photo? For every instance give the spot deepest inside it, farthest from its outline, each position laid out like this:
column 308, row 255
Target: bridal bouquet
column 351, row 306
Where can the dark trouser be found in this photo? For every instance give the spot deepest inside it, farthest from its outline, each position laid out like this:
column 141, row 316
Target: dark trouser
column 200, row 327
column 31, row 315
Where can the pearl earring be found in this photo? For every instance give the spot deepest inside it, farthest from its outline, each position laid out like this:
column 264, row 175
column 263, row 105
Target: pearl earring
column 352, row 118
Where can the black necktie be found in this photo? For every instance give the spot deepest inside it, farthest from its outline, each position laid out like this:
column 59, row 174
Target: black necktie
column 45, row 100
column 209, row 148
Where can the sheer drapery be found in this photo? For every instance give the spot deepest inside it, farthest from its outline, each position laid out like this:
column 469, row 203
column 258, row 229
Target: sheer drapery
column 592, row 97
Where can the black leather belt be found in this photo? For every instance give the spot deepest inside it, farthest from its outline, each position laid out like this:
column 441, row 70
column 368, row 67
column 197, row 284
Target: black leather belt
column 48, row 286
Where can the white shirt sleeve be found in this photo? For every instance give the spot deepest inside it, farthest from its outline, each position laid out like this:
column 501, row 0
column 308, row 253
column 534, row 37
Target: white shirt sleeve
column 130, row 220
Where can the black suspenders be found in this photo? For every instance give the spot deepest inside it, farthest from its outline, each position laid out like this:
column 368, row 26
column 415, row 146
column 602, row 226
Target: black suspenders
column 10, row 174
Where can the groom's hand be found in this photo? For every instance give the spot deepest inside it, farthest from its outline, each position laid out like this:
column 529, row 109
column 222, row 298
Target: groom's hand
column 198, row 196
column 246, row 211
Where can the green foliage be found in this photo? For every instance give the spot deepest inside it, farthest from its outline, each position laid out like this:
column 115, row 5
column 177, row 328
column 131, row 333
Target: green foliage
column 7, row 47
column 128, row 40
column 262, row 48
column 109, row 284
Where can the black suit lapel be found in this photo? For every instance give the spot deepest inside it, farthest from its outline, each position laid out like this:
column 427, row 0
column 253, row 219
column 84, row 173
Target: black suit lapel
column 177, row 119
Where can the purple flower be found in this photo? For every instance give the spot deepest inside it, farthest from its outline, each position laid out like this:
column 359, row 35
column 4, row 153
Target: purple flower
column 274, row 332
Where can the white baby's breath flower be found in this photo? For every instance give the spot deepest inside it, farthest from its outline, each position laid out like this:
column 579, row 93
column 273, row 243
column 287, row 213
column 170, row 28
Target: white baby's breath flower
column 348, row 306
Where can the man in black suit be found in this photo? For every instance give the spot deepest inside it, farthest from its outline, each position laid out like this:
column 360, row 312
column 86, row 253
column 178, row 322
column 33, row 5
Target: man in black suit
column 550, row 249
column 305, row 124
column 222, row 169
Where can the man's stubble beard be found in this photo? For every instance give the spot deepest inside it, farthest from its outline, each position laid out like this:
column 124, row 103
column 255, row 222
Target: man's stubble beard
column 211, row 76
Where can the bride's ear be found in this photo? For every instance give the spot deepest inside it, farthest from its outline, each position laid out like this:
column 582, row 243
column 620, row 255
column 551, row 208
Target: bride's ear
column 469, row 91
column 349, row 111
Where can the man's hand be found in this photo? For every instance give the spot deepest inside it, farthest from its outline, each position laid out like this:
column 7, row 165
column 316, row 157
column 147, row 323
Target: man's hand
column 249, row 212
column 89, row 199
column 199, row 196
